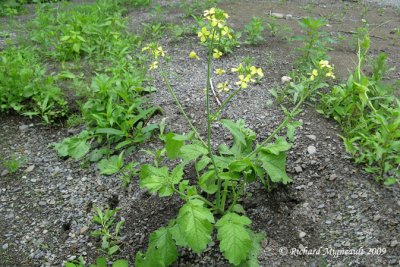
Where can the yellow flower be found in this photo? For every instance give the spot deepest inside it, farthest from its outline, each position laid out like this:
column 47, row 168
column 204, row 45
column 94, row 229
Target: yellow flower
column 225, row 30
column 145, row 48
column 159, row 52
column 239, row 68
column 243, row 81
column 203, row 34
column 324, row 64
column 153, row 65
column 217, row 54
column 256, row 71
column 209, row 13
column 313, row 74
column 219, row 71
column 223, row 87
column 330, row 75
column 217, row 22
column 194, row 55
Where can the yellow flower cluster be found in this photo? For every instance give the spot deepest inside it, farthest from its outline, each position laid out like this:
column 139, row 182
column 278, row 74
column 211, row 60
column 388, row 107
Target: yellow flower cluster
column 324, row 67
column 247, row 74
column 216, row 26
column 223, row 87
column 156, row 52
column 193, row 55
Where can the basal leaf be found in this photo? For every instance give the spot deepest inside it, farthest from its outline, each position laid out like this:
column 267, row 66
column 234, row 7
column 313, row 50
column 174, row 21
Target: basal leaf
column 279, row 146
column 252, row 259
column 192, row 152
column 173, row 146
column 195, row 224
column 110, row 166
column 120, row 263
column 275, row 166
column 78, row 148
column 162, row 246
column 235, row 130
column 234, row 236
column 155, row 180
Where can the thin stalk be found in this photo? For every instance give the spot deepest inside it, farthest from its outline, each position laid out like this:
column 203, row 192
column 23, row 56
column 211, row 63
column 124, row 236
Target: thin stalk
column 171, row 91
column 195, row 196
column 226, row 101
column 277, row 130
column 210, row 153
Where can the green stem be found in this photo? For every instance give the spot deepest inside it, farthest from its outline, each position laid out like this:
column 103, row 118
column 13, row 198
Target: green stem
column 278, row 129
column 226, row 101
column 185, row 197
column 210, row 153
column 171, row 91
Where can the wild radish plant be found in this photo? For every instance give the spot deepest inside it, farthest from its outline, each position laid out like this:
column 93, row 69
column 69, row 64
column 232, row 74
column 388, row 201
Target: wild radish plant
column 212, row 202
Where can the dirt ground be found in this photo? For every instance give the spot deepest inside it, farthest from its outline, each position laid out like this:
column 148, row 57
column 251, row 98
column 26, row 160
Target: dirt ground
column 331, row 206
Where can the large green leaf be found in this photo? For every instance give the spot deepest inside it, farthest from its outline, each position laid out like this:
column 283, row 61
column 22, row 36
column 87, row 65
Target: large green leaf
column 159, row 180
column 195, row 224
column 111, row 165
column 279, row 146
column 172, row 145
column 235, row 130
column 252, row 258
column 78, row 148
column 155, row 180
column 192, row 152
column 275, row 166
column 161, row 251
column 234, row 236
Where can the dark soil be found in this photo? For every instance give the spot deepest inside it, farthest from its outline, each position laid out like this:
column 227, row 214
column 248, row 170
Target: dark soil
column 331, row 204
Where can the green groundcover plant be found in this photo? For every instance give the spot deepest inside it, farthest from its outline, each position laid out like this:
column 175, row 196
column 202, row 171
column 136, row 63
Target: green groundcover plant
column 212, row 194
column 368, row 112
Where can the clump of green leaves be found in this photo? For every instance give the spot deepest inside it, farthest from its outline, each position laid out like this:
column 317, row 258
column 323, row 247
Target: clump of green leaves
column 115, row 114
column 109, row 230
column 25, row 87
column 314, row 41
column 254, row 30
column 278, row 29
column 13, row 164
column 93, row 30
column 368, row 112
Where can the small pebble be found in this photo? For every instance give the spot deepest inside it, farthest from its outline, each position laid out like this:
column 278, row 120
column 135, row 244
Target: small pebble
column 311, row 150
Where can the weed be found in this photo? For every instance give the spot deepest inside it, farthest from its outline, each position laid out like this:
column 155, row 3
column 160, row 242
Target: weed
column 25, row 88
column 13, row 164
column 109, row 231
column 254, row 30
column 369, row 115
column 314, row 41
column 278, row 29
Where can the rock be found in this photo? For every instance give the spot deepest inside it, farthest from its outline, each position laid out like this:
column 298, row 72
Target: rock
column 4, row 173
column 394, row 243
column 311, row 136
column 30, row 168
column 298, row 169
column 83, row 229
column 277, row 15
column 288, row 16
column 302, row 234
column 23, row 127
column 285, row 79
column 5, row 246
column 377, row 217
column 332, row 177
column 42, row 203
column 311, row 150
column 328, row 222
